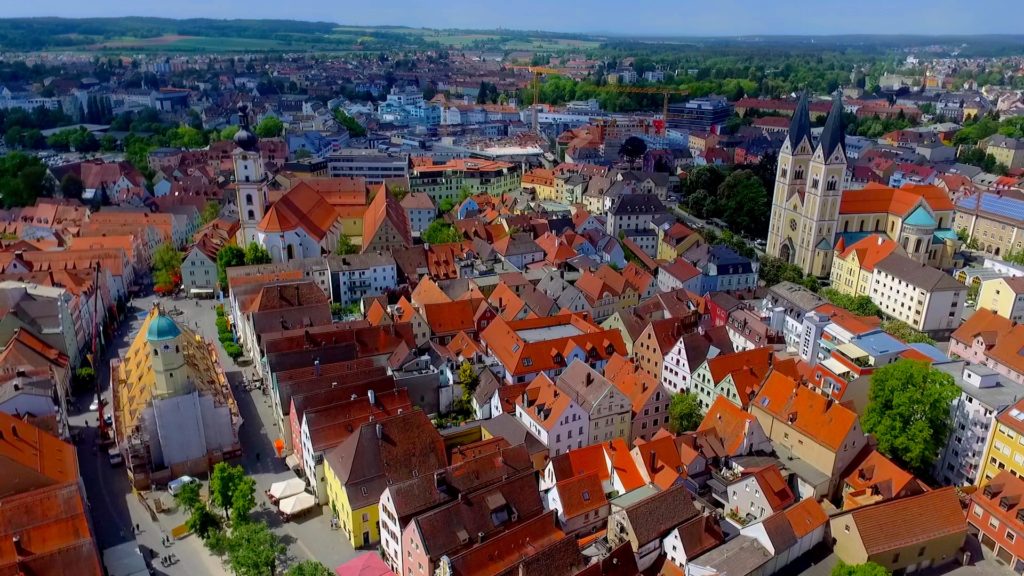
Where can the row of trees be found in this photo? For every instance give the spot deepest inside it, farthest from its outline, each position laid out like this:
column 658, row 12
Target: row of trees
column 737, row 196
column 226, row 526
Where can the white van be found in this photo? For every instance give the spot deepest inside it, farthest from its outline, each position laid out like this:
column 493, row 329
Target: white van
column 115, row 457
column 175, row 485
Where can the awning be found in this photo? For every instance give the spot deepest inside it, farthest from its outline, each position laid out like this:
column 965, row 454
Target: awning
column 298, row 503
column 292, row 461
column 286, row 488
column 201, row 291
column 837, row 367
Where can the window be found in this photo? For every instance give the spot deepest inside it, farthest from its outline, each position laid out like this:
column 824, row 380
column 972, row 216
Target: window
column 1010, row 536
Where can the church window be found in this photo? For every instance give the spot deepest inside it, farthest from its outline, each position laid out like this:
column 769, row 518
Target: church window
column 815, row 183
column 248, row 199
column 831, row 184
column 799, row 174
column 792, row 224
column 917, row 245
column 252, row 215
column 846, row 226
column 784, row 172
column 861, row 225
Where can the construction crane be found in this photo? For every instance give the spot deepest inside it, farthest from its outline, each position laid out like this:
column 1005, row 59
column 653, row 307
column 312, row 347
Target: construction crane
column 650, row 90
column 537, row 71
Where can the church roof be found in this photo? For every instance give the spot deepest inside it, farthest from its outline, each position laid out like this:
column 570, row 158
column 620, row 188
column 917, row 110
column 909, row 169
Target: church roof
column 920, row 217
column 800, row 127
column 162, row 328
column 832, row 136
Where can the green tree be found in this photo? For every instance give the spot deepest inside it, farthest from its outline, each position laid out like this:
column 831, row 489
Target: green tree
column 22, row 179
column 71, row 186
column 243, row 500
column 867, row 569
column 355, row 129
column 632, row 149
column 202, row 522
column 270, row 127
column 253, row 549
column 256, row 254
column 188, row 497
column 743, row 202
column 861, row 305
column 684, row 413
column 108, row 143
column 211, row 211
column 905, row 332
column 908, row 412
column 468, row 377
column 227, row 257
column 309, row 568
column 166, row 267
column 345, row 246
column 186, row 137
column 440, row 232
column 228, row 133
column 223, row 482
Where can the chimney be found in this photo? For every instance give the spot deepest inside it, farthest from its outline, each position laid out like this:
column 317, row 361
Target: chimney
column 380, row 431
column 316, row 367
column 14, row 431
column 654, row 461
column 479, row 537
column 644, row 389
column 440, row 483
column 590, row 378
column 829, row 403
column 19, row 550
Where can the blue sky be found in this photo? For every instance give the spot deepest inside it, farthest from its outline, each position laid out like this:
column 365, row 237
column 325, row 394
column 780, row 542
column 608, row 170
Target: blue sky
column 654, row 17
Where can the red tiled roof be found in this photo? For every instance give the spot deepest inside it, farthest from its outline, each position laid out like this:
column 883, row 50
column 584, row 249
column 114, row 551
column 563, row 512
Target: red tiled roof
column 879, row 199
column 581, row 494
column 805, row 517
column 811, row 413
column 908, row 521
column 871, row 250
column 520, row 356
column 725, row 425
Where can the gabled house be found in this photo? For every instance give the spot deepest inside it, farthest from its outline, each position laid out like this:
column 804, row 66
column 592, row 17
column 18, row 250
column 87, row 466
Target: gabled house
column 689, row 352
column 877, row 479
column 643, row 520
column 727, row 431
column 580, row 504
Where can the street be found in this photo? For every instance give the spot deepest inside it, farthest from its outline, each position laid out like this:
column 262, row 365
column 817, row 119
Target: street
column 116, row 510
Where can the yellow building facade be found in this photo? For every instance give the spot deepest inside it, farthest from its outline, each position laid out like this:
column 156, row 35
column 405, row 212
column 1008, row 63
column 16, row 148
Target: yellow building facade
column 1004, row 296
column 1005, row 449
column 354, row 524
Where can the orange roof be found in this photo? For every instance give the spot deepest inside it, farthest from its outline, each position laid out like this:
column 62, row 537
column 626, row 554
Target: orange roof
column 985, row 324
column 636, row 384
column 539, row 177
column 854, row 323
column 301, row 207
column 798, row 406
column 376, row 314
column 463, row 346
column 428, row 292
column 623, row 465
column 908, row 521
column 556, row 249
column 661, row 458
column 748, row 368
column 525, row 346
column 805, row 517
column 451, row 317
column 581, row 494
column 342, row 191
column 506, row 302
column 546, row 401
column 637, row 278
column 384, row 208
column 878, row 199
column 25, row 445
column 728, row 423
column 878, row 471
column 871, row 250
column 774, row 487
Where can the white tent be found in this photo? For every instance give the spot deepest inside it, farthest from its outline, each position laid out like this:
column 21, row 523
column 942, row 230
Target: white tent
column 298, row 503
column 286, row 488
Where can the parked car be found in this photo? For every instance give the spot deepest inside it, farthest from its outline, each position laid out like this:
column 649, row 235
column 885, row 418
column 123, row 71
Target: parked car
column 95, row 404
column 115, row 457
column 175, row 486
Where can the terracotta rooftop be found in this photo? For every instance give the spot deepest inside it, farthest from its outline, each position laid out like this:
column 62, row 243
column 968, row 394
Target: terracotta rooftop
column 908, row 521
column 804, row 409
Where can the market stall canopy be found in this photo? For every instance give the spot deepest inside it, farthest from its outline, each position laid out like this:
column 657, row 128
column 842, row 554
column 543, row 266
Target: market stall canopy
column 298, row 503
column 286, row 488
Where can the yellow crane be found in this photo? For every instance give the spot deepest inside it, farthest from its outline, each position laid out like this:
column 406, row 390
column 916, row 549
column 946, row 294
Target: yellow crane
column 537, row 71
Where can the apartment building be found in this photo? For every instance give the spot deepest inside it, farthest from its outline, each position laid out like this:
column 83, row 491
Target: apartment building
column 926, row 298
column 448, row 181
column 375, row 167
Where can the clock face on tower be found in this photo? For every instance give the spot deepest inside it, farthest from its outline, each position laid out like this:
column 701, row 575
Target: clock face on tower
column 792, row 224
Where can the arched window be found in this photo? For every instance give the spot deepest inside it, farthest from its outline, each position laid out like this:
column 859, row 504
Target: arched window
column 861, row 225
column 252, row 215
column 799, row 174
column 248, row 199
column 831, row 184
column 997, row 251
column 906, row 242
column 917, row 245
column 291, row 251
column 846, row 226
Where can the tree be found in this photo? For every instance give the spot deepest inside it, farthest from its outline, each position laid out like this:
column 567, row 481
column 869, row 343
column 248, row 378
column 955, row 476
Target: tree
column 227, row 257
column 905, row 332
column 211, row 211
column 186, row 137
column 345, row 246
column 166, row 267
column 684, row 413
column 468, row 376
column 256, row 254
column 908, row 412
column 633, row 149
column 228, row 133
column 355, row 129
column 861, row 305
column 253, row 549
column 743, row 203
column 440, row 232
column 71, row 186
column 188, row 497
column 867, row 569
column 202, row 522
column 223, row 482
column 22, row 179
column 243, row 500
column 309, row 568
column 270, row 127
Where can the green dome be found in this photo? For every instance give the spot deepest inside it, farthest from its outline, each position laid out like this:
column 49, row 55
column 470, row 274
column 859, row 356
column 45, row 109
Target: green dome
column 162, row 328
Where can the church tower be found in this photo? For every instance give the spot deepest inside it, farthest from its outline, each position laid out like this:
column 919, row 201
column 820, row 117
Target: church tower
column 250, row 179
column 809, row 184
column 168, row 357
